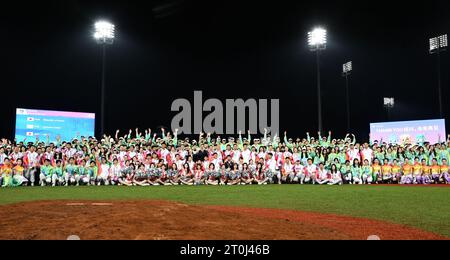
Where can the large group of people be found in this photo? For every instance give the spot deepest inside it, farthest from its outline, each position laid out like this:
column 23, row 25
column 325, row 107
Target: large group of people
column 147, row 159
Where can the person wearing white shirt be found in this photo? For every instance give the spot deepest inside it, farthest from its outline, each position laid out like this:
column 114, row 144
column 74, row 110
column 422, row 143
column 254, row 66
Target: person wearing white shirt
column 323, row 176
column 309, row 173
column 336, row 177
column 271, row 168
column 288, row 171
column 246, row 154
column 33, row 162
column 298, row 170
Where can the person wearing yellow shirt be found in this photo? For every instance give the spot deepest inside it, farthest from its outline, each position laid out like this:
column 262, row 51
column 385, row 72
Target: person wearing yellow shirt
column 376, row 171
column 6, row 173
column 435, row 171
column 407, row 169
column 18, row 174
column 417, row 171
column 396, row 171
column 386, row 172
column 426, row 172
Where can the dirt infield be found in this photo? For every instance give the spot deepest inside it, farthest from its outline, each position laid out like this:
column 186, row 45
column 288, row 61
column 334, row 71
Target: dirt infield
column 156, row 220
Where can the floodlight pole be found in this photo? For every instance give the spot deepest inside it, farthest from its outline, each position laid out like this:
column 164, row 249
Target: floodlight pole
column 441, row 111
column 103, row 91
column 319, row 92
column 347, row 94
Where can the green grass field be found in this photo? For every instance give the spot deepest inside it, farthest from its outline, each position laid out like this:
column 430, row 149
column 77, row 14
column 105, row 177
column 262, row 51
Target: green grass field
column 427, row 208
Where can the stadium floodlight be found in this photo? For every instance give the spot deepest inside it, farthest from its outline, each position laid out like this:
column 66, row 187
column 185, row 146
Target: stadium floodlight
column 347, row 68
column 437, row 45
column 104, row 32
column 346, row 71
column 389, row 102
column 317, row 41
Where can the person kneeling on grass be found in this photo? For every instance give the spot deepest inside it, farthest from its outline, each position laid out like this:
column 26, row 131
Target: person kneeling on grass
column 323, row 177
column 407, row 177
column 356, row 172
column 309, row 173
column 186, row 175
column 174, row 174
column 396, row 172
column 199, row 175
column 6, row 173
column 141, row 178
column 246, row 175
column 287, row 171
column 234, row 177
column 346, row 171
column 211, row 175
column 367, row 172
column 58, row 174
column 386, row 172
column 18, row 174
column 115, row 172
column 92, row 173
column 298, row 171
column 128, row 174
column 336, row 177
column 70, row 173
column 83, row 178
column 45, row 177
column 163, row 176
column 376, row 172
column 104, row 176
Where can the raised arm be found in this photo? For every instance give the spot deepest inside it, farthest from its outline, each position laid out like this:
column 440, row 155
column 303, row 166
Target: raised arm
column 175, row 137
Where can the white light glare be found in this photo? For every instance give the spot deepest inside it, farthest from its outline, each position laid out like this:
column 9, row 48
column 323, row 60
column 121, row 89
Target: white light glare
column 104, row 31
column 347, row 67
column 443, row 41
column 317, row 37
column 389, row 102
column 438, row 42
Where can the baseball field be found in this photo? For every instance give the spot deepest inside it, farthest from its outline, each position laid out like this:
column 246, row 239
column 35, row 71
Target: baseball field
column 226, row 212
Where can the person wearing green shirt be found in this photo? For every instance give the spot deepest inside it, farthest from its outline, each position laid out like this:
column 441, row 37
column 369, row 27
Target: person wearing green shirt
column 45, row 177
column 91, row 173
column 367, row 172
column 71, row 172
column 346, row 171
column 324, row 141
column 58, row 174
column 356, row 170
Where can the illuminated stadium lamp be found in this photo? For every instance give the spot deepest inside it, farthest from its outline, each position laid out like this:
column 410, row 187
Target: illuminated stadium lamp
column 317, row 41
column 347, row 68
column 438, row 45
column 104, row 32
column 389, row 102
column 346, row 71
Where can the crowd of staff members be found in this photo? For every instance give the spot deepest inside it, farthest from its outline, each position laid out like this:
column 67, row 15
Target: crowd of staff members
column 147, row 159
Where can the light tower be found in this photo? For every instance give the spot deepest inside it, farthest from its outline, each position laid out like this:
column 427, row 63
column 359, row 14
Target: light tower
column 346, row 71
column 438, row 45
column 104, row 35
column 317, row 41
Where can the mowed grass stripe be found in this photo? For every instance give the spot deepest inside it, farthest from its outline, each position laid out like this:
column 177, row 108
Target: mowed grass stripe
column 427, row 208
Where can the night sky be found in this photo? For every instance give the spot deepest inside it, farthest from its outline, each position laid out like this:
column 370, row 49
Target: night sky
column 166, row 49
